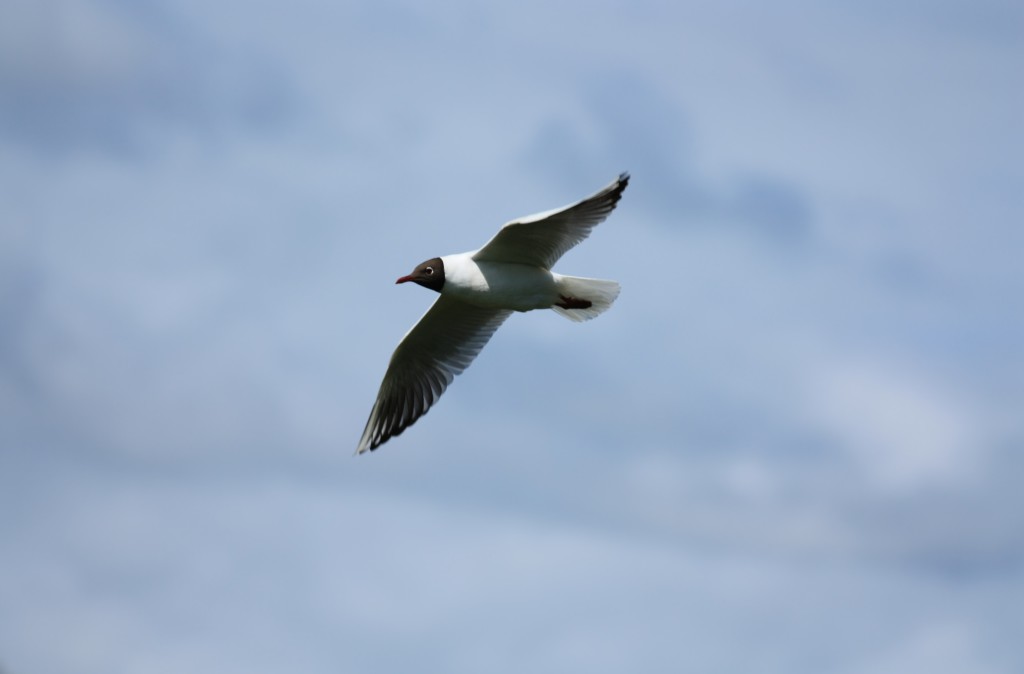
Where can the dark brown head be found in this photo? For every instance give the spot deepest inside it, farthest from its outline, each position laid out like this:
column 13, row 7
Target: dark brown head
column 429, row 274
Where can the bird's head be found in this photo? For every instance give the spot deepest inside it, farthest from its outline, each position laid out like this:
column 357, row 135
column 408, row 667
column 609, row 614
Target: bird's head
column 429, row 274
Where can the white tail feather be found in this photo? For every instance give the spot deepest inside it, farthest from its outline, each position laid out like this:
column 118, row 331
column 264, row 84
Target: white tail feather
column 599, row 292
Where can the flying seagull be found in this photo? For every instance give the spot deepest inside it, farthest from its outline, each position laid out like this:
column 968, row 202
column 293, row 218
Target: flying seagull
column 478, row 291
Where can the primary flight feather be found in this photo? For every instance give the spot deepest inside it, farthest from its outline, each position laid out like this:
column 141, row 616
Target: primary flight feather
column 478, row 291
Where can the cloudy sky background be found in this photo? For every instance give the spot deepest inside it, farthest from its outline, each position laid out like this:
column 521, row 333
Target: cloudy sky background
column 794, row 445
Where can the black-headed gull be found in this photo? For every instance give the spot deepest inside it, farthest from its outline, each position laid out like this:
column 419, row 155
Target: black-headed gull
column 479, row 290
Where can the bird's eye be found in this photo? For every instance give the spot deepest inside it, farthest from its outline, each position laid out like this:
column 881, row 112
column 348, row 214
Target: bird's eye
column 429, row 271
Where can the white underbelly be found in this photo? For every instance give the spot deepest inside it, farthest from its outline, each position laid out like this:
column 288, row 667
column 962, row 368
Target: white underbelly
column 500, row 286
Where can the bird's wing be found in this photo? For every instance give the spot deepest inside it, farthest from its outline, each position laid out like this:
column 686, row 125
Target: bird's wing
column 441, row 345
column 539, row 240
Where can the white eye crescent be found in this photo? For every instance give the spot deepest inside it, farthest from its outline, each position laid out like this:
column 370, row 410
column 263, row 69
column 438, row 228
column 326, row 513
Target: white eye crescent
column 429, row 271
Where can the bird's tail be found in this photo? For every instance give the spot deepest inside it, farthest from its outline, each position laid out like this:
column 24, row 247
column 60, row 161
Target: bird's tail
column 584, row 298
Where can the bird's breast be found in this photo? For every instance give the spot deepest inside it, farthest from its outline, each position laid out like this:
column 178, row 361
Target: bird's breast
column 498, row 285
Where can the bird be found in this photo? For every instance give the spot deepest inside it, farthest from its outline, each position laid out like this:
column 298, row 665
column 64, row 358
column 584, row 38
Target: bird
column 480, row 289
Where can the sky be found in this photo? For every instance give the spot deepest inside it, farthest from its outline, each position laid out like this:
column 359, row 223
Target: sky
column 794, row 445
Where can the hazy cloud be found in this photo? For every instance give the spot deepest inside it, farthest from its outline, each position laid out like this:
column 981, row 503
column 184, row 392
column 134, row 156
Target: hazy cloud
column 116, row 77
column 798, row 430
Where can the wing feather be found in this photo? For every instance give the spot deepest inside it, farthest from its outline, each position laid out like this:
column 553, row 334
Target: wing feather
column 440, row 346
column 539, row 240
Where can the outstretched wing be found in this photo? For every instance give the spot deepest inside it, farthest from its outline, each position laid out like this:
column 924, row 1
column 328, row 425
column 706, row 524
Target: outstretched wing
column 539, row 240
column 441, row 345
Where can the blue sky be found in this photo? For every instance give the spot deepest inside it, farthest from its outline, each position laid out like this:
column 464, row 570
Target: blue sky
column 794, row 445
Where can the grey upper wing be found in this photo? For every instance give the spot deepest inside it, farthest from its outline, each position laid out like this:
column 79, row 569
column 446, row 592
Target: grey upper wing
column 539, row 240
column 441, row 345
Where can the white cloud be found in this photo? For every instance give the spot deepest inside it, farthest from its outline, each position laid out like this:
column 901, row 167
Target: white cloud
column 159, row 573
column 943, row 647
column 905, row 432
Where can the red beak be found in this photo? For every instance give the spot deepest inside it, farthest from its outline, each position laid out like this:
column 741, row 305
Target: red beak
column 404, row 279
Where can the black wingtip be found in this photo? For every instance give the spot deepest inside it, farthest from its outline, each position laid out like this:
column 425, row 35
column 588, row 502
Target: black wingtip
column 619, row 186
column 614, row 190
